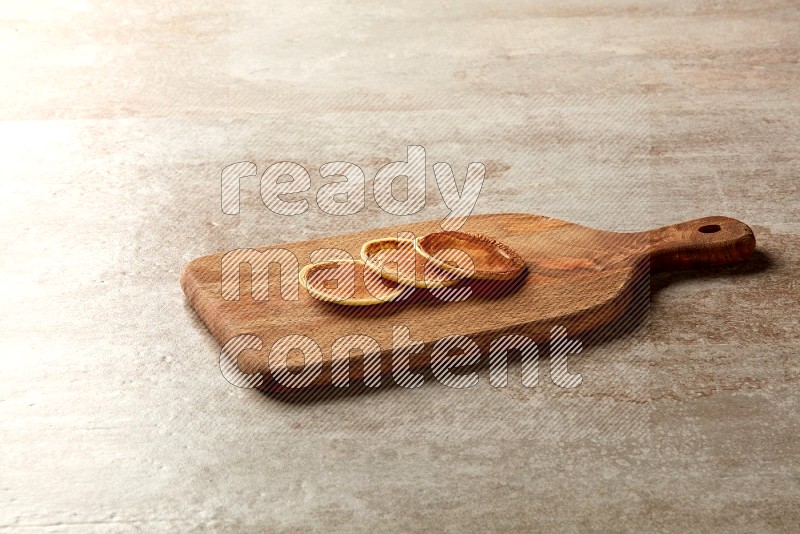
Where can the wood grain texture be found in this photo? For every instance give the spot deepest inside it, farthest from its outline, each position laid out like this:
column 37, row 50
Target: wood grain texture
column 617, row 114
column 577, row 277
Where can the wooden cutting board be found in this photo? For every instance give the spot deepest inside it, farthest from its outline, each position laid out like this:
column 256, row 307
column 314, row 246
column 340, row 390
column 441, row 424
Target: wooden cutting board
column 577, row 277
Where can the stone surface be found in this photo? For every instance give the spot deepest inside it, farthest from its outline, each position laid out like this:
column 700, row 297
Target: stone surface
column 117, row 121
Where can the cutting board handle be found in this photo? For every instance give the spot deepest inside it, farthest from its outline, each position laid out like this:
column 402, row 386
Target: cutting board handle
column 708, row 241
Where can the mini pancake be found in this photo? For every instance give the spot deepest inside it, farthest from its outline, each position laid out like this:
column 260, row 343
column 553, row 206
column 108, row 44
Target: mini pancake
column 347, row 282
column 452, row 251
column 397, row 259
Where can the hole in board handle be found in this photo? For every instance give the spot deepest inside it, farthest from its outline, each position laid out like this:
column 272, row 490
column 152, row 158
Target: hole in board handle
column 710, row 228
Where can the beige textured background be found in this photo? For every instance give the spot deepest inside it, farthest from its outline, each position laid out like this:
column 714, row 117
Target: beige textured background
column 117, row 120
